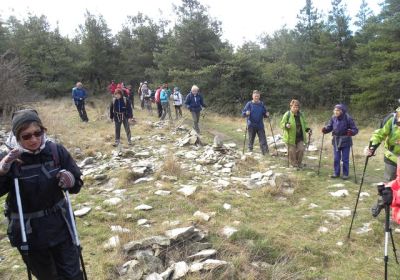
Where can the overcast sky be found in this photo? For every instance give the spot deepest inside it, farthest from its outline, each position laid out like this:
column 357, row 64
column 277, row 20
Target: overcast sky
column 241, row 20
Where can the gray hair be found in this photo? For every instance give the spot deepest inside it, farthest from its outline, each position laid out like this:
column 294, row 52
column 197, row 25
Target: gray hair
column 195, row 88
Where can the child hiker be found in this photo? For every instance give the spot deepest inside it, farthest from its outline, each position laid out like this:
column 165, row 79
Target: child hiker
column 343, row 128
column 121, row 112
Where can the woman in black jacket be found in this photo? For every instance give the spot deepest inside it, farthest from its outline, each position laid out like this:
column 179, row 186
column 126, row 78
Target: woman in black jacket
column 43, row 169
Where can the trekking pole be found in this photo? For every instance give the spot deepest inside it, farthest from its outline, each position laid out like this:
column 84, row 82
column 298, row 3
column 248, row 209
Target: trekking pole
column 358, row 196
column 273, row 136
column 245, row 135
column 320, row 153
column 77, row 242
column 309, row 141
column 24, row 246
column 354, row 165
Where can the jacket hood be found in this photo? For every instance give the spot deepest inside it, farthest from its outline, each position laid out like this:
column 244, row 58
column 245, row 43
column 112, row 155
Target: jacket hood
column 341, row 107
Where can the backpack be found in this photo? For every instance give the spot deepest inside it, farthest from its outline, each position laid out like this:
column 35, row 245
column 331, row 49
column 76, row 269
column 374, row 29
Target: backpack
column 114, row 99
column 386, row 118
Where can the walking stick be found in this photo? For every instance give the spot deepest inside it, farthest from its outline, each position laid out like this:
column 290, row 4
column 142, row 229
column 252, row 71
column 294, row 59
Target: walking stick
column 24, row 246
column 245, row 135
column 320, row 154
column 309, row 141
column 358, row 196
column 273, row 136
column 354, row 165
column 75, row 232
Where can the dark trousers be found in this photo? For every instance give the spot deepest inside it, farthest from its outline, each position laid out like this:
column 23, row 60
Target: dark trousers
column 341, row 154
column 142, row 103
column 159, row 109
column 261, row 138
column 178, row 111
column 60, row 262
column 196, row 119
column 118, row 121
column 390, row 172
column 80, row 106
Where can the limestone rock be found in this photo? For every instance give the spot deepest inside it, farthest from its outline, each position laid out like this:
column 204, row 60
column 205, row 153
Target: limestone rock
column 143, row 207
column 180, row 270
column 205, row 254
column 82, row 212
column 187, row 190
column 340, row 193
column 113, row 242
column 201, row 215
column 228, row 231
column 113, row 201
column 146, row 242
column 162, row 193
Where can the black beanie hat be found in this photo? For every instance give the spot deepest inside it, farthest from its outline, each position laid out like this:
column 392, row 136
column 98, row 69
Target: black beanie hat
column 24, row 116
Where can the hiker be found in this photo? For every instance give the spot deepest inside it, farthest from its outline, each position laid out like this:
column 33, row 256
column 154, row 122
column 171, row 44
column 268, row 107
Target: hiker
column 111, row 87
column 79, row 95
column 164, row 100
column 255, row 112
column 158, row 101
column 146, row 94
column 139, row 91
column 343, row 128
column 178, row 101
column 44, row 169
column 130, row 96
column 121, row 112
column 295, row 131
column 390, row 133
column 194, row 102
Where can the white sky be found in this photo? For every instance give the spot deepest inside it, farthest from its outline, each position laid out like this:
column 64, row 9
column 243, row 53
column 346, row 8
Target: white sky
column 241, row 20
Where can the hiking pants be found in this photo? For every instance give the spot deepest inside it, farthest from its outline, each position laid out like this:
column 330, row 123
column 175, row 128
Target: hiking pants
column 159, row 109
column 341, row 154
column 60, row 262
column 142, row 103
column 196, row 118
column 296, row 153
column 390, row 172
column 118, row 122
column 178, row 111
column 166, row 110
column 80, row 106
column 252, row 131
column 147, row 105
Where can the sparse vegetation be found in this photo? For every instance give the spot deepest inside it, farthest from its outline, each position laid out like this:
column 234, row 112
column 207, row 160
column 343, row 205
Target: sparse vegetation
column 280, row 231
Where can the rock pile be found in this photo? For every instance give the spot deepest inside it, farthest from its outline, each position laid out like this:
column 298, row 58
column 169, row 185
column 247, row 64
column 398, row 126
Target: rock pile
column 170, row 256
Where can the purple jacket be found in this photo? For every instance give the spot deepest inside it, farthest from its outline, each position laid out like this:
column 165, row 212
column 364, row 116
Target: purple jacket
column 339, row 126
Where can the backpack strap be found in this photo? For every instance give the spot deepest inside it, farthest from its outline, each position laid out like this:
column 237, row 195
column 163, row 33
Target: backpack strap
column 54, row 153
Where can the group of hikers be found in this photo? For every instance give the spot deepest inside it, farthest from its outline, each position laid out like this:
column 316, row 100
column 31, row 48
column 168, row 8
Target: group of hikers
column 37, row 174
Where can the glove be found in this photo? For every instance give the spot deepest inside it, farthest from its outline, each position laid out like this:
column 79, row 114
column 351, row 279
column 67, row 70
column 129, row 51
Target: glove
column 387, row 196
column 7, row 161
column 66, row 179
column 247, row 113
column 349, row 132
column 371, row 150
column 324, row 130
column 287, row 125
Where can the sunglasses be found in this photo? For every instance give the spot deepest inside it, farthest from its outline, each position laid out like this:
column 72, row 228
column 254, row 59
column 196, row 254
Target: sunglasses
column 28, row 136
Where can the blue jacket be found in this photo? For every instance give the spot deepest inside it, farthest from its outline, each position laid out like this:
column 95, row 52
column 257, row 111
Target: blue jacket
column 339, row 126
column 120, row 106
column 194, row 103
column 78, row 94
column 257, row 112
column 164, row 96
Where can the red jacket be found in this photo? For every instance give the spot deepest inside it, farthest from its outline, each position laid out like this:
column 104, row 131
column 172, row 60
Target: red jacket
column 112, row 87
column 395, row 184
column 157, row 95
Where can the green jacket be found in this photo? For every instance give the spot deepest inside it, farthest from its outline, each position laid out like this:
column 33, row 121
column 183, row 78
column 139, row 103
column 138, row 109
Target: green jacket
column 390, row 133
column 289, row 134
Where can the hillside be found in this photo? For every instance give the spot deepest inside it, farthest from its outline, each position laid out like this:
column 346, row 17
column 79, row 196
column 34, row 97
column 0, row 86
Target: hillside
column 264, row 220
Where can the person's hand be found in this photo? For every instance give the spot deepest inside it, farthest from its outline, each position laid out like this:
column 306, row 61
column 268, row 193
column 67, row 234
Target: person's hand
column 309, row 130
column 66, row 179
column 349, row 132
column 7, row 161
column 287, row 125
column 247, row 113
column 324, row 130
column 387, row 196
column 371, row 149
column 267, row 114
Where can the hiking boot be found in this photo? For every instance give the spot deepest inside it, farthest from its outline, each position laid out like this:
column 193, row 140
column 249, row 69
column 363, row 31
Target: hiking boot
column 116, row 144
column 345, row 177
column 334, row 176
column 130, row 143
